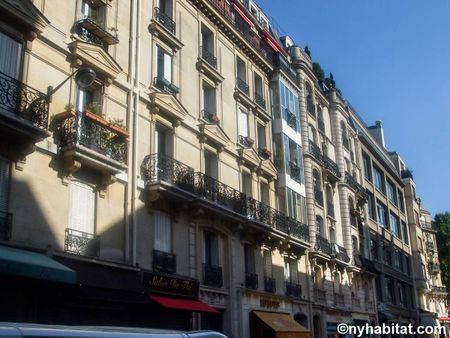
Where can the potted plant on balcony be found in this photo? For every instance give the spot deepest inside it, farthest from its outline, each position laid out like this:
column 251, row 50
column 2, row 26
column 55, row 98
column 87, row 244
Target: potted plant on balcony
column 266, row 152
column 119, row 126
column 249, row 141
column 215, row 118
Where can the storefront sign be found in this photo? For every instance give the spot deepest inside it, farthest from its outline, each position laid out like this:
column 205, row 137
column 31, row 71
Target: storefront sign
column 170, row 285
column 269, row 303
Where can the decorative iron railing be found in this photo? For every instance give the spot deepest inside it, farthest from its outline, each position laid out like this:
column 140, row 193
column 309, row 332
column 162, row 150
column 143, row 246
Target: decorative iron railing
column 5, row 226
column 315, row 151
column 82, row 243
column 246, row 141
column 295, row 172
column 242, row 86
column 260, row 101
column 160, row 167
column 320, row 295
column 264, row 153
column 331, row 166
column 210, row 117
column 439, row 289
column 323, row 245
column 165, row 20
column 340, row 253
column 23, row 101
column 208, row 56
column 293, row 290
column 290, row 119
column 339, row 300
column 165, row 85
column 164, row 262
column 355, row 186
column 94, row 32
column 270, row 284
column 79, row 129
column 212, row 275
column 251, row 281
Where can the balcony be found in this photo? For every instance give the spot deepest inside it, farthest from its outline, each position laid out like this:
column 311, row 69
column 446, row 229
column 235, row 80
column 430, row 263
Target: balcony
column 210, row 117
column 429, row 226
column 242, row 94
column 293, row 290
column 340, row 253
column 290, row 119
column 318, row 196
column 165, row 85
column 264, row 153
column 212, row 275
column 246, row 142
column 164, row 27
column 88, row 139
column 270, row 284
column 92, row 32
column 339, row 300
column 163, row 172
column 5, row 226
column 23, row 112
column 323, row 245
column 320, row 295
column 260, row 101
column 441, row 290
column 207, row 64
column 295, row 172
column 242, row 86
column 355, row 186
column 331, row 167
column 315, row 151
column 165, row 20
column 208, row 56
column 164, row 262
column 82, row 243
column 251, row 281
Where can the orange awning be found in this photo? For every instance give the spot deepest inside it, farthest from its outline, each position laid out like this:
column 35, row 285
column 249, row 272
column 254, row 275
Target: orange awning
column 282, row 324
column 183, row 304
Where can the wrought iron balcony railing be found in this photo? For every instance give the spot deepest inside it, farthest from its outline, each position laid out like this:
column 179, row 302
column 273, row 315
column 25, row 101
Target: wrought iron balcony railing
column 439, row 289
column 318, row 196
column 210, row 117
column 293, row 290
column 321, row 125
column 281, row 62
column 79, row 129
column 160, row 167
column 290, row 119
column 165, row 20
column 340, row 253
column 315, row 151
column 260, row 101
column 251, row 281
column 320, row 295
column 208, row 56
column 264, row 153
column 339, row 300
column 355, row 186
column 323, row 245
column 430, row 246
column 295, row 172
column 164, row 262
column 330, row 209
column 270, row 284
column 331, row 166
column 5, row 226
column 23, row 101
column 165, row 85
column 246, row 141
column 93, row 32
column 82, row 243
column 429, row 226
column 212, row 275
column 242, row 86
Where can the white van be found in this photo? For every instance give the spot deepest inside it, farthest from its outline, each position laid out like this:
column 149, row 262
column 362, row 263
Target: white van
column 25, row 330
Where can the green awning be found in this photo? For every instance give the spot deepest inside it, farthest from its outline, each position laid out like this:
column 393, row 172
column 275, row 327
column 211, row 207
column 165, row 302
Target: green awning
column 29, row 264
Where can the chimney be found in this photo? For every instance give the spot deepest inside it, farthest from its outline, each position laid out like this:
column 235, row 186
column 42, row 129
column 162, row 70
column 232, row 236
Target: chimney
column 377, row 132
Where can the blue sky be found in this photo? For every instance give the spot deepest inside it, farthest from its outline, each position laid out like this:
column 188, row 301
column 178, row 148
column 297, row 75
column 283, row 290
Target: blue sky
column 391, row 59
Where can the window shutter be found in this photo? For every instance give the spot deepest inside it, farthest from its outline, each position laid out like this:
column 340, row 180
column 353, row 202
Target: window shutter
column 162, row 232
column 10, row 56
column 82, row 207
column 4, row 179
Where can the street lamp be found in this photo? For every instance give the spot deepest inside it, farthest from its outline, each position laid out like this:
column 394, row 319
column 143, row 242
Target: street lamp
column 84, row 77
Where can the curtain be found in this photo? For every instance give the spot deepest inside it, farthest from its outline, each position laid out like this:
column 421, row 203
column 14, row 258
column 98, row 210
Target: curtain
column 243, row 123
column 162, row 237
column 82, row 207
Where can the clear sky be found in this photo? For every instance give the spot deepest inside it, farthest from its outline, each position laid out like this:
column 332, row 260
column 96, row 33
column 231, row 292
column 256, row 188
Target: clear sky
column 391, row 59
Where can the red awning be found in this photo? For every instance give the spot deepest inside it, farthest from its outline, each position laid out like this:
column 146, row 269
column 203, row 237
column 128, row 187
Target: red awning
column 272, row 43
column 243, row 16
column 183, row 304
column 444, row 319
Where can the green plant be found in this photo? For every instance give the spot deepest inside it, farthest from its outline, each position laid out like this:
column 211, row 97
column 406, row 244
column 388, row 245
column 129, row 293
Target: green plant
column 68, row 107
column 94, row 108
column 318, row 71
column 117, row 123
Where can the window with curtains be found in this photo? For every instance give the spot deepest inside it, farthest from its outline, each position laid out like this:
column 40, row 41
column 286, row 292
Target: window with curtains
column 211, row 249
column 296, row 206
column 264, row 193
column 249, row 256
column 211, row 165
column 243, row 123
column 291, row 270
column 382, row 214
column 4, row 185
column 10, row 56
column 82, row 207
column 90, row 99
column 289, row 106
column 162, row 232
column 267, row 256
column 163, row 65
column 247, row 184
column 209, row 100
column 165, row 7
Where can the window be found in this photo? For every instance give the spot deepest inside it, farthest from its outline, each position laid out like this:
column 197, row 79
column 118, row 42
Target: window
column 330, row 204
column 407, row 269
column 247, row 183
column 265, row 193
column 291, row 270
column 391, row 192
column 312, row 134
column 164, row 65
column 318, row 195
column 10, row 56
column 243, row 123
column 293, row 159
column 405, row 233
column 258, row 86
column 165, row 7
column 389, row 287
column 371, row 205
column 387, row 254
column 374, row 248
column 394, row 225
column 401, row 294
column 367, row 167
column 309, row 100
column 211, row 165
column 296, row 206
column 163, row 140
column 82, row 207
column 209, row 101
column 378, row 179
column 319, row 225
column 89, row 10
column 382, row 214
column 162, row 234
column 320, row 120
column 352, row 212
column 332, row 235
column 401, row 201
column 249, row 255
column 241, row 70
column 345, row 140
column 267, row 256
column 398, row 260
column 4, row 186
column 289, row 107
column 90, row 98
column 207, row 39
column 261, row 136
column 211, row 249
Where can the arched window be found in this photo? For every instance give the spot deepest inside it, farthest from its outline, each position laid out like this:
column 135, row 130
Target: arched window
column 345, row 140
column 330, row 204
column 309, row 101
column 320, row 120
column 319, row 225
column 312, row 134
column 318, row 195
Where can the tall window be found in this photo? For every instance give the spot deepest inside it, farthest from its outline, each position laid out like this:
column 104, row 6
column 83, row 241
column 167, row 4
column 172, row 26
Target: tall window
column 4, row 184
column 261, row 136
column 405, row 233
column 330, row 204
column 90, row 98
column 241, row 70
column 162, row 234
column 247, row 184
column 243, row 123
column 82, row 207
column 89, row 10
column 289, row 106
column 164, row 65
column 378, row 179
column 309, row 100
column 391, row 192
column 10, row 56
column 367, row 167
column 267, row 256
column 345, row 140
column 394, row 224
column 382, row 214
column 318, row 195
column 207, row 40
column 296, row 206
column 211, row 244
column 165, row 7
column 211, row 165
column 291, row 270
column 249, row 255
column 259, row 91
column 319, row 225
column 320, row 120
column 389, row 287
column 371, row 205
column 374, row 248
column 265, row 193
column 209, row 100
column 312, row 134
column 163, row 140
column 400, row 200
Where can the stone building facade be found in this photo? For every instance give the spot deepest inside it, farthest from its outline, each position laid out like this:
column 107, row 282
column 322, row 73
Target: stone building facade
column 207, row 178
